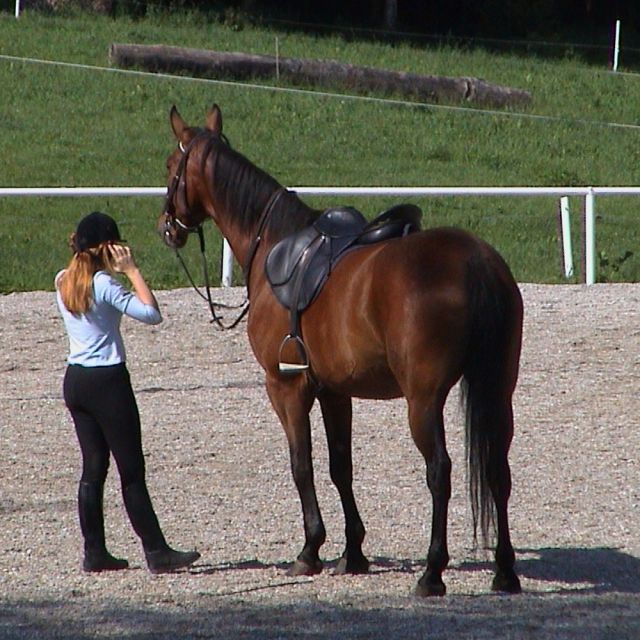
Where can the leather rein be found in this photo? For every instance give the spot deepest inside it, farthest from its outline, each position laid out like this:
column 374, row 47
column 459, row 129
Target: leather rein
column 172, row 222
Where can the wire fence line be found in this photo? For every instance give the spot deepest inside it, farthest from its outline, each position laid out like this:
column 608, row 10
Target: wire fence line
column 331, row 94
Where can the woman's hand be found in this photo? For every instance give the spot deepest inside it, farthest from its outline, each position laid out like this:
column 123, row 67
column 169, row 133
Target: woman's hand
column 122, row 258
column 123, row 262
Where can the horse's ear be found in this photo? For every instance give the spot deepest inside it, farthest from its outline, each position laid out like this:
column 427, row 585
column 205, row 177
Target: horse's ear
column 214, row 120
column 178, row 125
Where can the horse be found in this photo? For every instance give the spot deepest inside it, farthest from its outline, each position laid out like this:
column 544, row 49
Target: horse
column 407, row 317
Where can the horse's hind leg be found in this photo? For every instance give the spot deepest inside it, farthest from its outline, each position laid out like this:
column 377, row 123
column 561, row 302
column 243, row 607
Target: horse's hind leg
column 427, row 429
column 293, row 403
column 499, row 479
column 336, row 411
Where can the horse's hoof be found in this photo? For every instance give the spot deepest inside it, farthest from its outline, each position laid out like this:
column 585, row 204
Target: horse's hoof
column 427, row 589
column 350, row 566
column 301, row 568
column 506, row 583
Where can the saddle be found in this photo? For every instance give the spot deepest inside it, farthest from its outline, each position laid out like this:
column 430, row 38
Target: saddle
column 298, row 266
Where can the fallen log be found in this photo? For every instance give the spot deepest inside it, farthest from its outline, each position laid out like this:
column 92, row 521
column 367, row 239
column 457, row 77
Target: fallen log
column 243, row 66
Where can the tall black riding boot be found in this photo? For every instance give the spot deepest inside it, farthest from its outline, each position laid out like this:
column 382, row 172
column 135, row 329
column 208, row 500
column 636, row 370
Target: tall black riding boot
column 90, row 510
column 161, row 558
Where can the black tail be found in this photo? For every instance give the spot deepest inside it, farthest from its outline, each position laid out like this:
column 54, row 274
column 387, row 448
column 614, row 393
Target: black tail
column 489, row 375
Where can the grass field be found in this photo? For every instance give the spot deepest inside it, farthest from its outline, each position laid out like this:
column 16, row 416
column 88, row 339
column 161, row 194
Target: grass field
column 82, row 124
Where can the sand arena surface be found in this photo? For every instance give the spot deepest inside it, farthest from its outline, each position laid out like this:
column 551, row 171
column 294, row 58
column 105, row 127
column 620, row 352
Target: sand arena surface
column 218, row 472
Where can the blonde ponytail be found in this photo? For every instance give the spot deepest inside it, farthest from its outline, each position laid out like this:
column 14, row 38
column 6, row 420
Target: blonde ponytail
column 76, row 283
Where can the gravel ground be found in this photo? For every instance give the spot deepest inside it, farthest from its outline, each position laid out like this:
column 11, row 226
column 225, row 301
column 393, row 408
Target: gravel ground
column 218, row 472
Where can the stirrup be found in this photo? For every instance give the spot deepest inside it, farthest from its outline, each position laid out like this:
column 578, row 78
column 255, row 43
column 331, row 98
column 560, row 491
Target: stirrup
column 293, row 368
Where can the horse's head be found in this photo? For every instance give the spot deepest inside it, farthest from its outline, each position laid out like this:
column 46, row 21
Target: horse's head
column 184, row 210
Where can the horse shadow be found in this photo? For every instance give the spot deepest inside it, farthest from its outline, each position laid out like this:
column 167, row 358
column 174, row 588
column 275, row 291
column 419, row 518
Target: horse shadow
column 596, row 570
column 378, row 565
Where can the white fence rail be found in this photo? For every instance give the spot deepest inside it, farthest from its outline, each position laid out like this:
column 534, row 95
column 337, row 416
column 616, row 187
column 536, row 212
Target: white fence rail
column 588, row 193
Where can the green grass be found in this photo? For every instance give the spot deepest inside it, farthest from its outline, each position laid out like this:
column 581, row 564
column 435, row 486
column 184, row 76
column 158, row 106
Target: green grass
column 72, row 126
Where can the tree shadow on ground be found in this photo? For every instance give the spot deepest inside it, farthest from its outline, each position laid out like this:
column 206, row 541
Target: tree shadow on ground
column 608, row 606
column 380, row 617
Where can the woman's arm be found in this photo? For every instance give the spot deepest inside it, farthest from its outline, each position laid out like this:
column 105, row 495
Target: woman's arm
column 58, row 278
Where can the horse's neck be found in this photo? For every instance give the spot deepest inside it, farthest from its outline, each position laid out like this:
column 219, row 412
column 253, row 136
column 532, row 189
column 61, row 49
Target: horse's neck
column 290, row 214
column 272, row 220
column 237, row 240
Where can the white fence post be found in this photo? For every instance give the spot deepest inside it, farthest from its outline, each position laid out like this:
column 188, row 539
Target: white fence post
column 565, row 226
column 616, row 46
column 590, row 237
column 227, row 264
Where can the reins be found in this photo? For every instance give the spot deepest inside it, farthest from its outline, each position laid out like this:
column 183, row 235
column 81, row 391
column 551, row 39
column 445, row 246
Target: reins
column 215, row 318
column 262, row 221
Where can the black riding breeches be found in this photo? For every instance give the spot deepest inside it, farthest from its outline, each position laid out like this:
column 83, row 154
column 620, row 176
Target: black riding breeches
column 106, row 418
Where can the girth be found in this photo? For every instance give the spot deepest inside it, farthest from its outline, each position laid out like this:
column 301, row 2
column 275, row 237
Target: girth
column 298, row 266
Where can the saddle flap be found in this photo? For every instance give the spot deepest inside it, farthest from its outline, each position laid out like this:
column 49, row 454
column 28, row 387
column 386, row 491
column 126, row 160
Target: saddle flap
column 286, row 254
column 303, row 282
column 298, row 265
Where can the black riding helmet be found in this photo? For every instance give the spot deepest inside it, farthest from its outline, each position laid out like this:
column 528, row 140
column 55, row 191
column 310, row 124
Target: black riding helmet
column 94, row 229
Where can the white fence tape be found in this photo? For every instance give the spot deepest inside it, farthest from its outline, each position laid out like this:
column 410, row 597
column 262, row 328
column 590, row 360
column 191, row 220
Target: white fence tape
column 588, row 193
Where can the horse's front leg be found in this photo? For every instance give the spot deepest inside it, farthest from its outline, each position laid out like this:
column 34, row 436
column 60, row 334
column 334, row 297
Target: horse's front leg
column 292, row 401
column 337, row 414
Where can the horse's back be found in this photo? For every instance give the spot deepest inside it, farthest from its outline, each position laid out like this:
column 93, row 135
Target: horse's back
column 437, row 254
column 427, row 265
column 400, row 305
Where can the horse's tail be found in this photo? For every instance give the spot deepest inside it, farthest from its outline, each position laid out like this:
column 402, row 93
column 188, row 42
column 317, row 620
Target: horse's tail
column 488, row 380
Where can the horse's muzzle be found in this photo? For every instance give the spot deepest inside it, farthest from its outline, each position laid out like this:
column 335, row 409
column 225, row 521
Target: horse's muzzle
column 173, row 236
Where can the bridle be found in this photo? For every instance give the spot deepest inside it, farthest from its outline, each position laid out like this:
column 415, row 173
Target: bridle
column 178, row 183
column 178, row 187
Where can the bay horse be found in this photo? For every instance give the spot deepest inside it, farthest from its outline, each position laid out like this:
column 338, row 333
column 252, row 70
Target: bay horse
column 408, row 317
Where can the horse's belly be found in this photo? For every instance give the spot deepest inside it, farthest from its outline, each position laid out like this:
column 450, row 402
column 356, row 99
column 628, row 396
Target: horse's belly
column 370, row 390
column 358, row 376
column 347, row 349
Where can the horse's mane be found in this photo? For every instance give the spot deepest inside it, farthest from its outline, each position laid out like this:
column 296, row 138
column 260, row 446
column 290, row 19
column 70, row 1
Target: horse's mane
column 245, row 189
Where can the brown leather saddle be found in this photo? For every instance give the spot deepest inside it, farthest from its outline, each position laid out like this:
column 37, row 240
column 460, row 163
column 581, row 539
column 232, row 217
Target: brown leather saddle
column 298, row 266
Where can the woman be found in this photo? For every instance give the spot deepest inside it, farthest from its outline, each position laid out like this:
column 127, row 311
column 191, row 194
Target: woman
column 98, row 392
